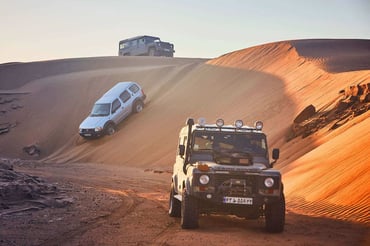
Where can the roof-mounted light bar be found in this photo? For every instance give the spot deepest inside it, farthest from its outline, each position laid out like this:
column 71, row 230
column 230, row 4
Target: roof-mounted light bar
column 238, row 124
column 258, row 125
column 202, row 122
column 220, row 122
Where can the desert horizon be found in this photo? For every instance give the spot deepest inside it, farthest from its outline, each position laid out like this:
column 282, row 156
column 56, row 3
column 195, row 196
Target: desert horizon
column 325, row 171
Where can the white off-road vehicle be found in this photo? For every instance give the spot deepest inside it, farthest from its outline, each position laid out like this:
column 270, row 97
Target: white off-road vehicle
column 112, row 108
column 226, row 169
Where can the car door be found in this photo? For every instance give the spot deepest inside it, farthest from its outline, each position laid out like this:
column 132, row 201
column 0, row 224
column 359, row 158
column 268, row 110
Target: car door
column 116, row 111
column 134, row 47
column 141, row 48
column 126, row 98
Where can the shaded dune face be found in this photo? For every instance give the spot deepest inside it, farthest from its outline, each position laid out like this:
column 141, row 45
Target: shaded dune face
column 271, row 82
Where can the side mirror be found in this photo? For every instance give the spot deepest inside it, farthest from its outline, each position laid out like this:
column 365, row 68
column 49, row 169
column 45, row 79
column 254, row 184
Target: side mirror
column 275, row 154
column 181, row 150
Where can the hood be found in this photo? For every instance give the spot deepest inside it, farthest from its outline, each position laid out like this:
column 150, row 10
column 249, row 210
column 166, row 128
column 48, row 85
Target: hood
column 255, row 168
column 93, row 122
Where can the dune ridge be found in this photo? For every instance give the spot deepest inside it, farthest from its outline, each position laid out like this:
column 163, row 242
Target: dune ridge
column 271, row 82
column 332, row 166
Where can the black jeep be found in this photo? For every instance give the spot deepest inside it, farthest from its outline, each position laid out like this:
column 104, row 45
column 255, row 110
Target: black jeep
column 145, row 46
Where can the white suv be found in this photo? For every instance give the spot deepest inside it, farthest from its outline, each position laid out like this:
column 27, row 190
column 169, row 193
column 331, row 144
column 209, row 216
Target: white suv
column 113, row 107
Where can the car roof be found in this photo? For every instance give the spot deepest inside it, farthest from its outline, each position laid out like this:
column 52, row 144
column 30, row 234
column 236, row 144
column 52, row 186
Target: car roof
column 107, row 99
column 138, row 37
column 115, row 91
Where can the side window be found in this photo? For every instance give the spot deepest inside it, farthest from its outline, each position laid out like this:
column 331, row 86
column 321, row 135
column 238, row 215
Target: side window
column 182, row 146
column 127, row 44
column 115, row 105
column 125, row 96
column 134, row 88
column 134, row 42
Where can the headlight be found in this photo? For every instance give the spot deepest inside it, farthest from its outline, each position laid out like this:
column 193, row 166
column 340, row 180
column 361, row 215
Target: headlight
column 204, row 179
column 98, row 129
column 269, row 182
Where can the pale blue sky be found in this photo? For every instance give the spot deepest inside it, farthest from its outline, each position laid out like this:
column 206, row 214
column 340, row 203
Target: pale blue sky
column 33, row 30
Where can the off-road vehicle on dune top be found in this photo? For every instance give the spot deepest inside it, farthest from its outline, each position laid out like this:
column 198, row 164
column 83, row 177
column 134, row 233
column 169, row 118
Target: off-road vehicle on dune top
column 226, row 170
column 145, row 46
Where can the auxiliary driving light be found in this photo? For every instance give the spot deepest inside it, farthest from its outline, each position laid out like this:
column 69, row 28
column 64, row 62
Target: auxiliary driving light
column 202, row 121
column 238, row 124
column 204, row 179
column 269, row 182
column 258, row 125
column 220, row 122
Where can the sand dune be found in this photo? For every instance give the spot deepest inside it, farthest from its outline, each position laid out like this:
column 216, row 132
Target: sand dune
column 326, row 173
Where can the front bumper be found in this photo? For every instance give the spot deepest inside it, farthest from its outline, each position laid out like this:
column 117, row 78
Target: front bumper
column 90, row 133
column 240, row 190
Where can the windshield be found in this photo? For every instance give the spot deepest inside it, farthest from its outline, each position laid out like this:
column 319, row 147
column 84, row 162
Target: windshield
column 241, row 142
column 102, row 109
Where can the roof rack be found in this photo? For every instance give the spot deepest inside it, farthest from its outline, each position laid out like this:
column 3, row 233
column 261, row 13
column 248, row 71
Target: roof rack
column 238, row 125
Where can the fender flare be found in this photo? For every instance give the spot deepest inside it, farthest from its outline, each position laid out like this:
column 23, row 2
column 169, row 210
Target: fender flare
column 109, row 122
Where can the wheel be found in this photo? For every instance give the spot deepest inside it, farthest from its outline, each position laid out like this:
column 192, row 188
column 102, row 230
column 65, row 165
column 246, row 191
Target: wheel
column 174, row 204
column 138, row 106
column 275, row 215
column 189, row 211
column 110, row 129
column 151, row 52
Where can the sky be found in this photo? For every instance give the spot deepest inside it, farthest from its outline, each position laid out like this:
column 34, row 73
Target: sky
column 34, row 30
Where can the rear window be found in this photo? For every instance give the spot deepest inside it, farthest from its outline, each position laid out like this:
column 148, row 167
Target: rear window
column 134, row 88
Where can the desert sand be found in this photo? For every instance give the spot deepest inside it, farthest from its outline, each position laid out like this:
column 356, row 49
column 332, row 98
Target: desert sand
column 325, row 175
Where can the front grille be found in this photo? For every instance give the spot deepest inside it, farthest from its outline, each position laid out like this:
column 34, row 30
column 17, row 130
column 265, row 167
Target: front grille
column 166, row 46
column 236, row 185
column 87, row 130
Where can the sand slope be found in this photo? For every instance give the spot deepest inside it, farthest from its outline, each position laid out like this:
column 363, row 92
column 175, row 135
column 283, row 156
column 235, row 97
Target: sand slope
column 327, row 173
column 271, row 82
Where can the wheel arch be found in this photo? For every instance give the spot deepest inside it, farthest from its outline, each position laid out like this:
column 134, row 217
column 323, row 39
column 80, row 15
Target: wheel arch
column 108, row 123
column 134, row 103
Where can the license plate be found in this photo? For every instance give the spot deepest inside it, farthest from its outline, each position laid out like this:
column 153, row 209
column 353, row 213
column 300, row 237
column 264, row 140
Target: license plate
column 238, row 200
column 87, row 135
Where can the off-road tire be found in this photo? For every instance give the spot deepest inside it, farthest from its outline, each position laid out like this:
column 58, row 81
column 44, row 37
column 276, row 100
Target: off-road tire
column 138, row 106
column 174, row 204
column 110, row 129
column 275, row 215
column 189, row 211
